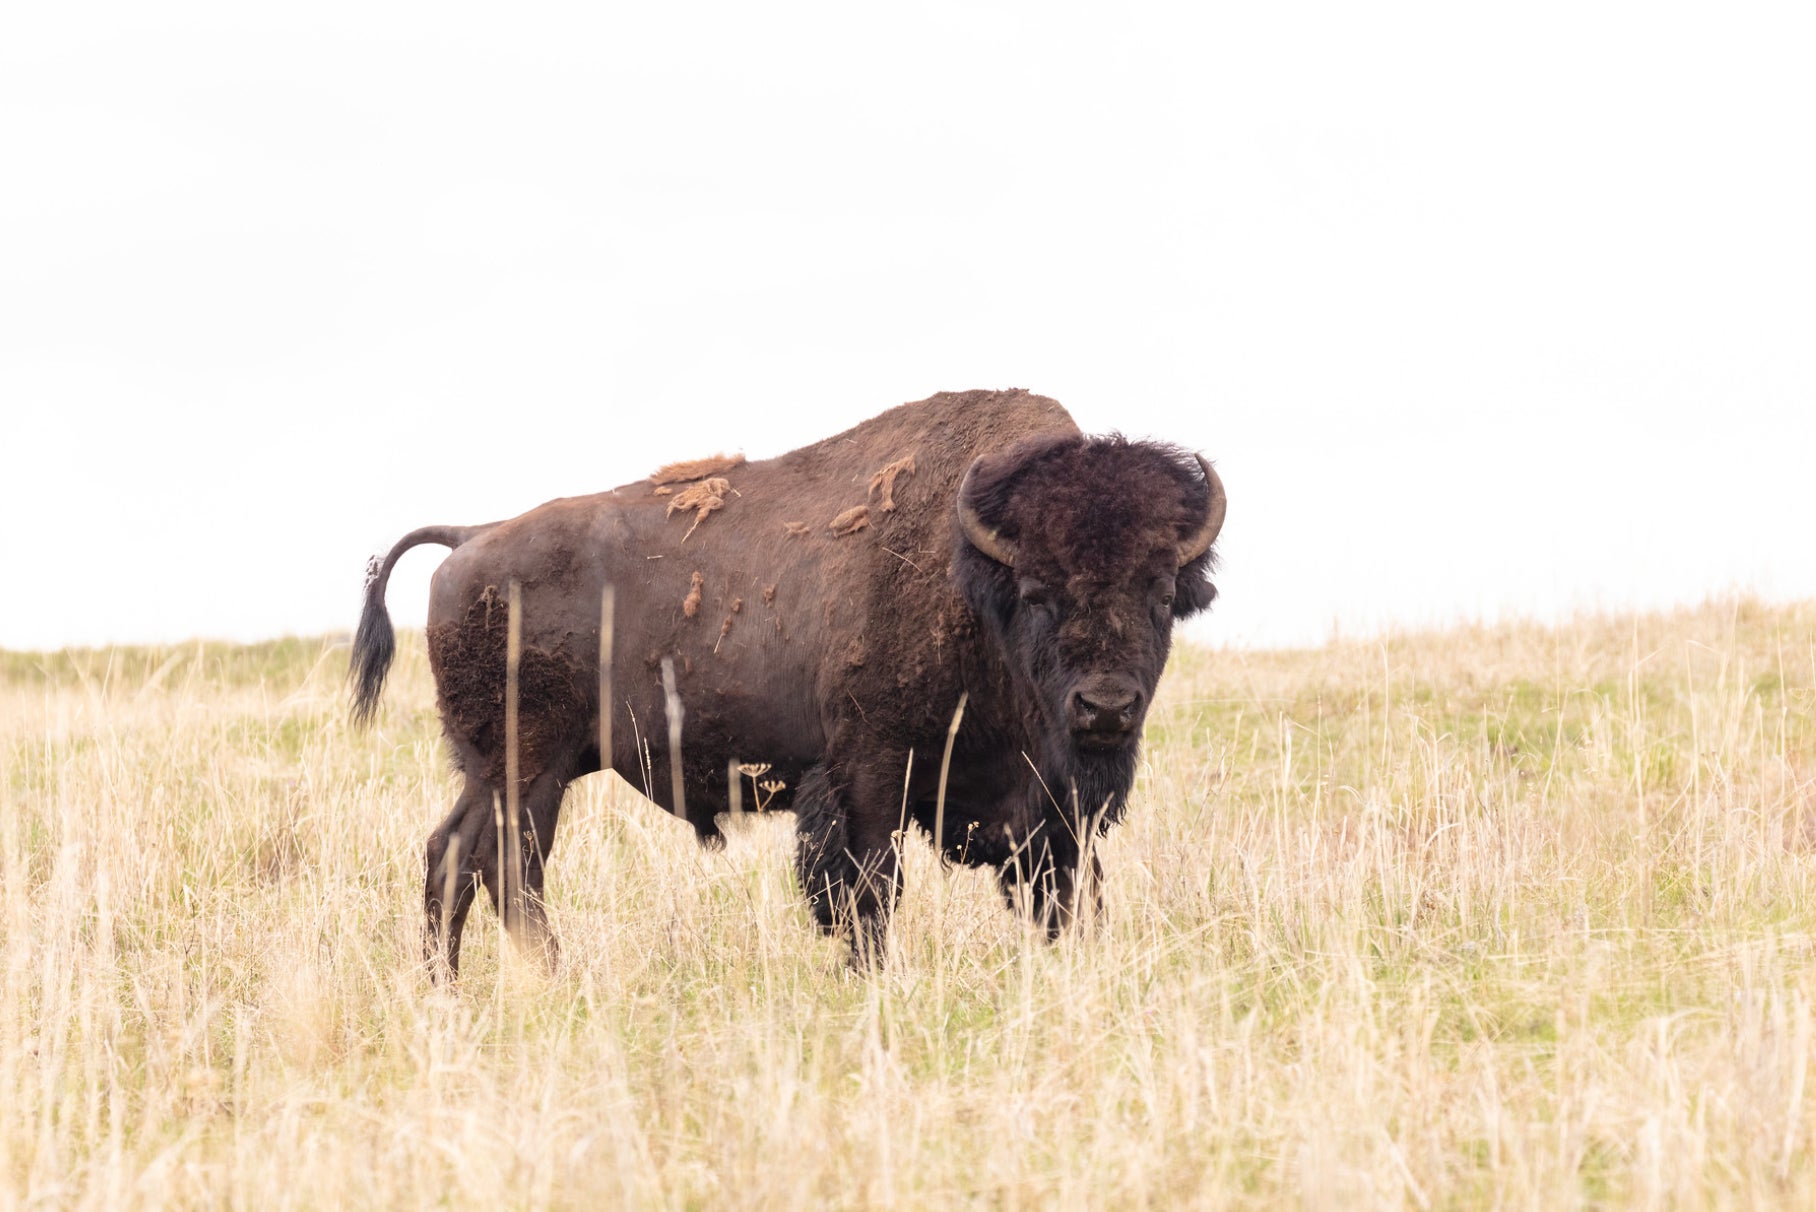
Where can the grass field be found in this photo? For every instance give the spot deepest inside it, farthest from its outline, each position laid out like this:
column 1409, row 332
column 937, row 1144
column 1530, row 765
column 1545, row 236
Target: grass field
column 1499, row 917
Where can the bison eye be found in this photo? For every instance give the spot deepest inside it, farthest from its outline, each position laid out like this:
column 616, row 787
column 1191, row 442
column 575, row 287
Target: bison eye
column 1035, row 596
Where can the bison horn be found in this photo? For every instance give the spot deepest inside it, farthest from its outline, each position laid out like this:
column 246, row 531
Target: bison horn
column 1200, row 543
column 979, row 535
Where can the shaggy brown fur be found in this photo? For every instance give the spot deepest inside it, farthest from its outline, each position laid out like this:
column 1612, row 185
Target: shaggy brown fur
column 709, row 493
column 851, row 521
column 468, row 659
column 884, row 481
column 703, row 498
column 695, row 469
column 875, row 637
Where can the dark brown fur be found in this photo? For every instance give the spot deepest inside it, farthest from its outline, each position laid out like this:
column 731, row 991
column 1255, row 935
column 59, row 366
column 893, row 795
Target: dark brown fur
column 468, row 659
column 876, row 636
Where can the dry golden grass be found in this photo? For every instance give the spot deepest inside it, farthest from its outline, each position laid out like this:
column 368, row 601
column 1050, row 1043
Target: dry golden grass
column 1509, row 917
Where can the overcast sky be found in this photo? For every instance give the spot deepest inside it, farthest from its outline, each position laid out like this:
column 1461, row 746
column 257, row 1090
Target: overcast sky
column 1479, row 310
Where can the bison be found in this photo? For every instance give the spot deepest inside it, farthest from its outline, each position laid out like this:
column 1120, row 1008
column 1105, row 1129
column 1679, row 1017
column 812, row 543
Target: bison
column 953, row 614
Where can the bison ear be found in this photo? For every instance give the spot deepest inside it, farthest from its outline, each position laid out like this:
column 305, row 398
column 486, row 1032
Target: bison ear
column 1192, row 588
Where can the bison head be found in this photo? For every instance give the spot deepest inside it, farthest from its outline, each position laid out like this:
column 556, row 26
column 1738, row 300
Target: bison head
column 1079, row 553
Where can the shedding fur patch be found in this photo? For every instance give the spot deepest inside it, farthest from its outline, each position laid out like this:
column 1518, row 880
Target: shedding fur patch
column 702, row 498
column 851, row 521
column 468, row 658
column 884, row 481
column 690, row 605
column 695, row 469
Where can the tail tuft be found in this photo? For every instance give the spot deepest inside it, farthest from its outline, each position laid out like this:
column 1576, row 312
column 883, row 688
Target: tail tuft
column 374, row 644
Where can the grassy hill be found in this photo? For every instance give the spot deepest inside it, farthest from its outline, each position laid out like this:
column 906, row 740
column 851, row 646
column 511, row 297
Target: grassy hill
column 1510, row 916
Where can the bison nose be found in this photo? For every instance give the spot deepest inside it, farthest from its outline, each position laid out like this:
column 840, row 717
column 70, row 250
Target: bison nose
column 1105, row 707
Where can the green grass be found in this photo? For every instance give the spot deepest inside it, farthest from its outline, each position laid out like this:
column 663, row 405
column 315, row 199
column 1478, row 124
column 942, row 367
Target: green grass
column 1497, row 917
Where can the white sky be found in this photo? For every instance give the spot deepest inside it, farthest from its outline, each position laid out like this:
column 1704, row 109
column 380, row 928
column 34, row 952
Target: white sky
column 1478, row 310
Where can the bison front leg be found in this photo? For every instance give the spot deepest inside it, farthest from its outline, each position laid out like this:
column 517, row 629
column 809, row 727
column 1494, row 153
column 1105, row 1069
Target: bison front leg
column 1051, row 884
column 849, row 866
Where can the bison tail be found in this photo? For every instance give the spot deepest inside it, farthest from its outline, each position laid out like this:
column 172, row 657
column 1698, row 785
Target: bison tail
column 374, row 644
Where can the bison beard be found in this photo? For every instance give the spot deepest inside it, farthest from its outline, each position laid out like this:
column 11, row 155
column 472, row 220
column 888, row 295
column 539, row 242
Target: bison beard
column 1096, row 787
column 1005, row 559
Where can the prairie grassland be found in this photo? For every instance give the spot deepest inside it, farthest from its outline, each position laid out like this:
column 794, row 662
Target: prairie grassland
column 1493, row 917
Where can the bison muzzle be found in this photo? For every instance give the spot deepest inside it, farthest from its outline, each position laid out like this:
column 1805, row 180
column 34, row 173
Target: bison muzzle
column 954, row 614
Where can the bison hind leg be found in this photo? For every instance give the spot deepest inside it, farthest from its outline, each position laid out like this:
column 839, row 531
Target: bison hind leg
column 526, row 916
column 461, row 852
column 466, row 852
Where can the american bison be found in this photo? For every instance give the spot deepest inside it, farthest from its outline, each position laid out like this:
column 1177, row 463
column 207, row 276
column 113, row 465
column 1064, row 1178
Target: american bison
column 823, row 614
